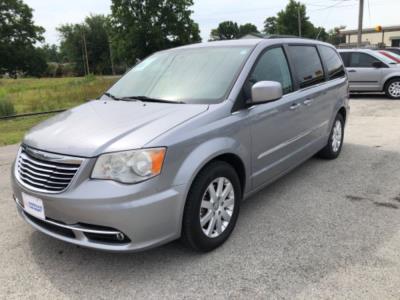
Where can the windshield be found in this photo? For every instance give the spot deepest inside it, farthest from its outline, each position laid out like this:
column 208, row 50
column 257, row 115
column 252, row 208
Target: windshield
column 385, row 58
column 391, row 55
column 199, row 76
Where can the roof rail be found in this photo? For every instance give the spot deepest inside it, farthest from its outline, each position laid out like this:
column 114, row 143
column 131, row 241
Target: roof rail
column 272, row 36
column 280, row 36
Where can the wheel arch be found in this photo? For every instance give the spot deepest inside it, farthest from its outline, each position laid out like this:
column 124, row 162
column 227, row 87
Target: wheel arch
column 236, row 162
column 342, row 111
column 223, row 149
column 387, row 80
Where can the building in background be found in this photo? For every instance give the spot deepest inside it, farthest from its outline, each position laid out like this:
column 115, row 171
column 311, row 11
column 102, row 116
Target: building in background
column 388, row 37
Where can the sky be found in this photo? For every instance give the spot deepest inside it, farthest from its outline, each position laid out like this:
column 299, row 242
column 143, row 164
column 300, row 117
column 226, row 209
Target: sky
column 208, row 13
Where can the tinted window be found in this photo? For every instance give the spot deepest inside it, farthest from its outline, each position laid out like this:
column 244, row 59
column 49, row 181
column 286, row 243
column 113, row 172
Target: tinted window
column 361, row 60
column 346, row 58
column 307, row 64
column 332, row 61
column 272, row 66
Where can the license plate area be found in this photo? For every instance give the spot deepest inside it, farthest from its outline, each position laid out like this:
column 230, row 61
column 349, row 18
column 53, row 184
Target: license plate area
column 33, row 206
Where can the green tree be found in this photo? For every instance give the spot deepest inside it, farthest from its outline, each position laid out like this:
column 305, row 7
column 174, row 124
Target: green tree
column 142, row 27
column 51, row 53
column 18, row 35
column 270, row 26
column 36, row 62
column 229, row 30
column 287, row 22
column 226, row 30
column 335, row 37
column 247, row 28
column 92, row 35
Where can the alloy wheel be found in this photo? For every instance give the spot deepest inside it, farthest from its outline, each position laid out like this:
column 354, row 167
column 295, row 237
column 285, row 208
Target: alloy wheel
column 394, row 89
column 217, row 207
column 337, row 136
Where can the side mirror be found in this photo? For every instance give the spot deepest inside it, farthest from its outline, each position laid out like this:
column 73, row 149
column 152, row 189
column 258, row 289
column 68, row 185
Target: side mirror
column 266, row 91
column 378, row 64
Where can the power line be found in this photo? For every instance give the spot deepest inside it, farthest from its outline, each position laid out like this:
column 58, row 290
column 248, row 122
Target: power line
column 336, row 5
column 327, row 16
column 369, row 13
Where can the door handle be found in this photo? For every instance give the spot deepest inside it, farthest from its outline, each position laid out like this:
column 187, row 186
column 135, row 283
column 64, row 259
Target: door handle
column 308, row 102
column 295, row 106
column 352, row 71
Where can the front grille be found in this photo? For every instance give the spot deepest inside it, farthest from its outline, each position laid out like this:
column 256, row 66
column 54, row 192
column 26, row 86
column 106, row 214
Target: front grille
column 45, row 172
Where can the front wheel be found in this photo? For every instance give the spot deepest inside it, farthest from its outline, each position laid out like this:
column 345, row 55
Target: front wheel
column 392, row 89
column 335, row 142
column 212, row 207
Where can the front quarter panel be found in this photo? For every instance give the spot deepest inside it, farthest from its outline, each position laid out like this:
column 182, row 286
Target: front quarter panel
column 194, row 144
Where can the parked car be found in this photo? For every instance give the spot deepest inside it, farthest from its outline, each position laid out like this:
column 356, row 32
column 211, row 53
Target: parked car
column 370, row 71
column 175, row 145
column 395, row 50
column 391, row 55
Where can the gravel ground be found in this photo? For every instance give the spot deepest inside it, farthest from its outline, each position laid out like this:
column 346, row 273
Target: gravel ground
column 329, row 229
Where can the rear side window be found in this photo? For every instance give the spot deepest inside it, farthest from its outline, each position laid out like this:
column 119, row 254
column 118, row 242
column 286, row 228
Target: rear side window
column 273, row 66
column 333, row 62
column 346, row 58
column 308, row 65
column 361, row 60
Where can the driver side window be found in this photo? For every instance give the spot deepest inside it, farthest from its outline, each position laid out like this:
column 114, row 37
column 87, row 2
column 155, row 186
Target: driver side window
column 272, row 66
column 361, row 60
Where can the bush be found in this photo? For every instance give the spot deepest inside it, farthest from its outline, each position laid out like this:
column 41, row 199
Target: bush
column 6, row 108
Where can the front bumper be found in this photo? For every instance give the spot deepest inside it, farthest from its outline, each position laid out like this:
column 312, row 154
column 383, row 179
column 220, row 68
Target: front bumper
column 145, row 216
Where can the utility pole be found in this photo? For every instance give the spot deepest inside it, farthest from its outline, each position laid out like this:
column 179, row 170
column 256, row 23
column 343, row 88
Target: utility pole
column 299, row 19
column 111, row 57
column 360, row 23
column 83, row 60
column 86, row 52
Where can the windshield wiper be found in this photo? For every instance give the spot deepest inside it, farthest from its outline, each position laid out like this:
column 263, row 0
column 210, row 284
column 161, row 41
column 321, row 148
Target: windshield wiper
column 111, row 96
column 149, row 99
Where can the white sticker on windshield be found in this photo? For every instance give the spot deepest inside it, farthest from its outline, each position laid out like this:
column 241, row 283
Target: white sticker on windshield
column 243, row 52
column 144, row 64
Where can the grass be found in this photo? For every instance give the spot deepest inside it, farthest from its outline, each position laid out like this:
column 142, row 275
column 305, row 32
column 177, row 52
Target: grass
column 37, row 95
column 12, row 131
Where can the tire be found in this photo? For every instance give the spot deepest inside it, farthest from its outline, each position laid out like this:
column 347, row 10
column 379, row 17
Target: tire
column 335, row 143
column 392, row 88
column 199, row 205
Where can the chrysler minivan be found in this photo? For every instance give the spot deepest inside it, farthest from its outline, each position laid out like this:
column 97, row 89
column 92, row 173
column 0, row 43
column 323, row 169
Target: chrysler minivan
column 371, row 71
column 172, row 149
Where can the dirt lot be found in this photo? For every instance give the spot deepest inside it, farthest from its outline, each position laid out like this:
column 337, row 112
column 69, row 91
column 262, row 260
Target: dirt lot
column 330, row 229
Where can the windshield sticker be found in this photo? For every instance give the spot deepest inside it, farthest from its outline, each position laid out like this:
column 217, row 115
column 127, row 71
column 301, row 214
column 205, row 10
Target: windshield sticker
column 144, row 64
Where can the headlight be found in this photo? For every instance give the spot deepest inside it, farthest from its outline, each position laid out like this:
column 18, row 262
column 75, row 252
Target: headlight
column 129, row 166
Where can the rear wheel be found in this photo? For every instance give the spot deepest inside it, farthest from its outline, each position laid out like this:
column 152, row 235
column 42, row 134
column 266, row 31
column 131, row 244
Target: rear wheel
column 335, row 142
column 212, row 207
column 392, row 89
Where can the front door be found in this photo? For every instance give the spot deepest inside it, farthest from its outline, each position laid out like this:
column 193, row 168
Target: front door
column 276, row 127
column 363, row 76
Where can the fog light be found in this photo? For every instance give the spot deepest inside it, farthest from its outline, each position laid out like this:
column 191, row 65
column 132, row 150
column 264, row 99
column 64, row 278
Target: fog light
column 120, row 236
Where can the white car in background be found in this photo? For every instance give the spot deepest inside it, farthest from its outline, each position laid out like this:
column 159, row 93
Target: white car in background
column 370, row 71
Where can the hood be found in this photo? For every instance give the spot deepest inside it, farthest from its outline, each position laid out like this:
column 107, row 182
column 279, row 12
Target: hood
column 106, row 126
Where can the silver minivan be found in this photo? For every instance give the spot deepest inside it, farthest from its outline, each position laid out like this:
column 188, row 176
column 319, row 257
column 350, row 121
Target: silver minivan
column 371, row 71
column 172, row 149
